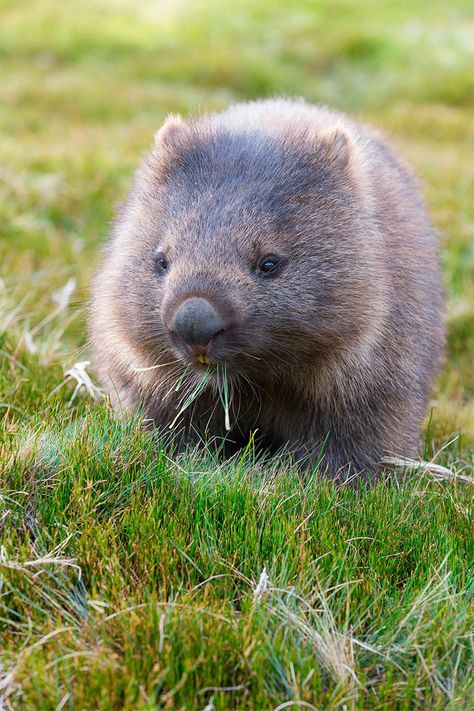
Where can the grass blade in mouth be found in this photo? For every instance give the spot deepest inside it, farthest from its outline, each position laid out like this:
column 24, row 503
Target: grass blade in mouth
column 193, row 395
column 181, row 378
column 223, row 388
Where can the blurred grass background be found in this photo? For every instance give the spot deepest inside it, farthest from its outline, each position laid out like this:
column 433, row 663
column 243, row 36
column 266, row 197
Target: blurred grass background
column 83, row 87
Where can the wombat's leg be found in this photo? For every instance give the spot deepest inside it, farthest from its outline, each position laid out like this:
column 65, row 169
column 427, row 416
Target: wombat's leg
column 338, row 457
column 344, row 467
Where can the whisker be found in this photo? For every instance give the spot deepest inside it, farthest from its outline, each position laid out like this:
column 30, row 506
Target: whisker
column 136, row 369
column 250, row 355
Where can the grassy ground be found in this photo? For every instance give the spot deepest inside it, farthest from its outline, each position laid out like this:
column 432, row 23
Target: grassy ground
column 128, row 580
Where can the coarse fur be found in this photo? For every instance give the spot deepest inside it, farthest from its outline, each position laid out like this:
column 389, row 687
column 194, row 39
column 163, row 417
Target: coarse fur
column 335, row 355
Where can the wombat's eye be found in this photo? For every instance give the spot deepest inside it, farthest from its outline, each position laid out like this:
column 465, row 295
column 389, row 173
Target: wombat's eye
column 161, row 264
column 269, row 265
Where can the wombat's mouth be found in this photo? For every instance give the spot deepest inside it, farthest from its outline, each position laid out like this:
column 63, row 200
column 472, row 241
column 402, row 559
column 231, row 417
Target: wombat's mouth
column 219, row 352
column 203, row 359
column 204, row 362
column 199, row 359
column 211, row 363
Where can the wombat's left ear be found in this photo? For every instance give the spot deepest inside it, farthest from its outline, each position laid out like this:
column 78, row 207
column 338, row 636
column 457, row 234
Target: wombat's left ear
column 167, row 134
column 339, row 146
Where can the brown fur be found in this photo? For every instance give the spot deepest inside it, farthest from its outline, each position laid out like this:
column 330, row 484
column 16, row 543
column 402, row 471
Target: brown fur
column 341, row 347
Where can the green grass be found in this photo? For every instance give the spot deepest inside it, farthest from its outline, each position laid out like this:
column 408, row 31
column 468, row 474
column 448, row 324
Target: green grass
column 129, row 578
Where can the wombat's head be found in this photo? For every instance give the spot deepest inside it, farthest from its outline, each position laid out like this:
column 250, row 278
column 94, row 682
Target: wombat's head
column 246, row 246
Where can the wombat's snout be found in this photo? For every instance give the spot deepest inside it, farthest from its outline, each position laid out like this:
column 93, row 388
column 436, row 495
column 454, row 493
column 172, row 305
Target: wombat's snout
column 196, row 322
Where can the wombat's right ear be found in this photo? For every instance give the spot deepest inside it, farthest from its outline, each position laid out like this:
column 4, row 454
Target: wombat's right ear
column 167, row 134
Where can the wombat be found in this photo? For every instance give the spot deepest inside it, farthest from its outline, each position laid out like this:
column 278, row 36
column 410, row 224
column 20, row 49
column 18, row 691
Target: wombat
column 284, row 246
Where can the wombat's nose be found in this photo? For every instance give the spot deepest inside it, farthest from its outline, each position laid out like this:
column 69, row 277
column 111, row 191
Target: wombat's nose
column 196, row 322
